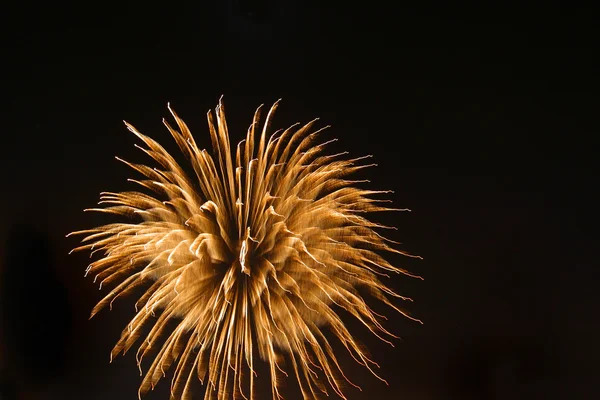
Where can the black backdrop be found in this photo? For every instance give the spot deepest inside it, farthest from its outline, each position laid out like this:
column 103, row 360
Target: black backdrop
column 481, row 121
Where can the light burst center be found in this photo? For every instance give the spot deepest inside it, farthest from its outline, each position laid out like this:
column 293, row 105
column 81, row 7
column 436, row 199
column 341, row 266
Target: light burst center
column 252, row 256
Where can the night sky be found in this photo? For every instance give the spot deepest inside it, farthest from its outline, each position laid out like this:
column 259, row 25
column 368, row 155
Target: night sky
column 480, row 119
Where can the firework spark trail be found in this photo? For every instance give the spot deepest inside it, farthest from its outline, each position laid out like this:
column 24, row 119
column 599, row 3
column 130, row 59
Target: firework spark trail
column 251, row 256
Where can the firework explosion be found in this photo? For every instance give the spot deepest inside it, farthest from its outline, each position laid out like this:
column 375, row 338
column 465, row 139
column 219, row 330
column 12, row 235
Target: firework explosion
column 251, row 256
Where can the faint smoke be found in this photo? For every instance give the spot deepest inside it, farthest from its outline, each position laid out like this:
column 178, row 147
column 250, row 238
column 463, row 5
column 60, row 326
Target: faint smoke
column 34, row 312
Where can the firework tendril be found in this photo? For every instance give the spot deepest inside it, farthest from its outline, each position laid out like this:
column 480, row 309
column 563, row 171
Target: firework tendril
column 252, row 257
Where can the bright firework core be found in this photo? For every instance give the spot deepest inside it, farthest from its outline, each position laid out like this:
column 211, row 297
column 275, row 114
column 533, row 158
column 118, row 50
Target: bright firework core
column 253, row 255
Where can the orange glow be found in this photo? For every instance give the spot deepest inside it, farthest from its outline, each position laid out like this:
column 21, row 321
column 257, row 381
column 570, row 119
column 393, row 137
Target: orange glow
column 252, row 256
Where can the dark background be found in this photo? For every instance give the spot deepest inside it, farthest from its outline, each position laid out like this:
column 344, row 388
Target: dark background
column 481, row 120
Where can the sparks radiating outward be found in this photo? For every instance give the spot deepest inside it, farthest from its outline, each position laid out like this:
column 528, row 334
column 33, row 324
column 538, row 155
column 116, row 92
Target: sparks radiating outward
column 252, row 257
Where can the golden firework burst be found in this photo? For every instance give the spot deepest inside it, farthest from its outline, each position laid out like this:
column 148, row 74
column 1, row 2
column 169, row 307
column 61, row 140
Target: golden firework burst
column 253, row 256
